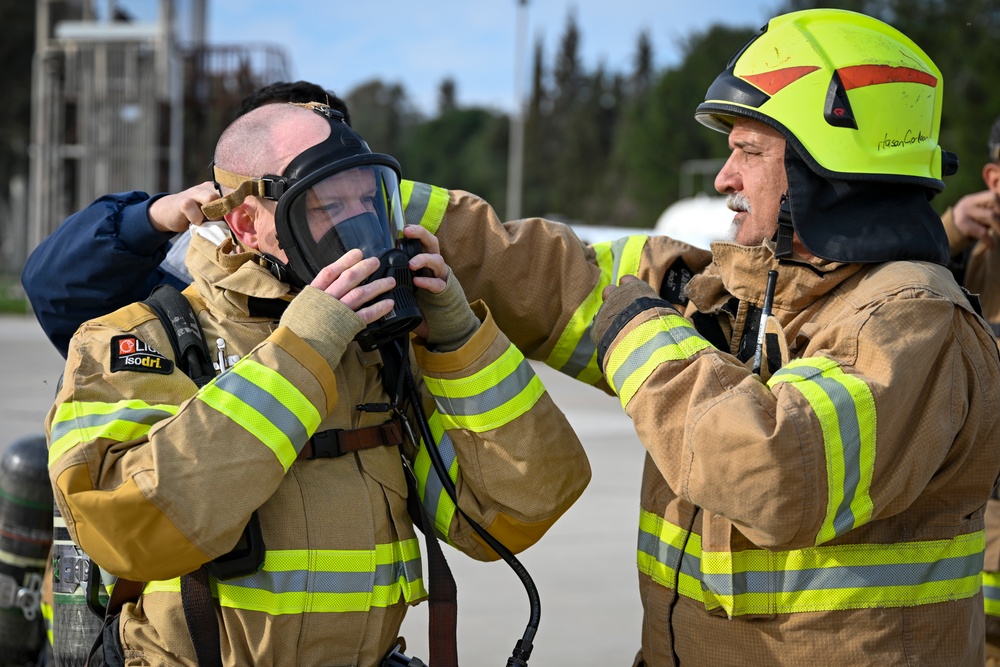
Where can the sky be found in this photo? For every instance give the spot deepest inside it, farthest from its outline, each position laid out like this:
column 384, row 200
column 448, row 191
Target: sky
column 340, row 44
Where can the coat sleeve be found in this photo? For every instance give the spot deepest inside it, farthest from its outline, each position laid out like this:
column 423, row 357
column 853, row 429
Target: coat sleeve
column 852, row 431
column 515, row 461
column 98, row 260
column 150, row 472
column 542, row 284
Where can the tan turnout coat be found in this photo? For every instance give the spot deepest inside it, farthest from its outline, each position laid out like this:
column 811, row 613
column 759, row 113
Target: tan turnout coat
column 746, row 476
column 155, row 478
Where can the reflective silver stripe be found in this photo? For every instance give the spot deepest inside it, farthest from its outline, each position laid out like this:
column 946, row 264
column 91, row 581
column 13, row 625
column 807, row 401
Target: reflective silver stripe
column 415, row 208
column 850, row 436
column 266, row 404
column 148, row 416
column 845, row 408
column 297, row 581
column 494, row 397
column 852, row 576
column 639, row 356
column 434, row 490
column 585, row 351
column 668, row 555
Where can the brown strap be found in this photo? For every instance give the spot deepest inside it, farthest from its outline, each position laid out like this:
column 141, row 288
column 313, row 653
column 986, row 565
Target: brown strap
column 337, row 442
column 124, row 590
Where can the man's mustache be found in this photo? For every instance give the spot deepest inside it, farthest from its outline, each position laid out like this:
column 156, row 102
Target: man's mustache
column 738, row 202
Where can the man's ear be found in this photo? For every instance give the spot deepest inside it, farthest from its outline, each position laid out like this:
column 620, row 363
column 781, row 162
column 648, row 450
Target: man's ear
column 242, row 220
column 991, row 176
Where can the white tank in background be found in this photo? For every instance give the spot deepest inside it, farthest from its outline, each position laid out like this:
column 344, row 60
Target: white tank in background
column 698, row 220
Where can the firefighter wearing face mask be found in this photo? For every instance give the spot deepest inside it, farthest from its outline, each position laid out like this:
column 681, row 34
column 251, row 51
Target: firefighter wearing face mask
column 155, row 477
column 821, row 446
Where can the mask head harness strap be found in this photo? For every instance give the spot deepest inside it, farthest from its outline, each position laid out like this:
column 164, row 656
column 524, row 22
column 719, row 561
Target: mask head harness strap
column 267, row 187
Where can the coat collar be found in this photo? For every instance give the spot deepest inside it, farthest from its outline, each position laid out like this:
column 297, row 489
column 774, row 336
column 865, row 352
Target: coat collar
column 232, row 283
column 741, row 271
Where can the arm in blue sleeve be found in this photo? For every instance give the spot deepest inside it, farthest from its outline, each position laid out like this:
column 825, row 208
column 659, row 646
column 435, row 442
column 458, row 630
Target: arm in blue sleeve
column 100, row 259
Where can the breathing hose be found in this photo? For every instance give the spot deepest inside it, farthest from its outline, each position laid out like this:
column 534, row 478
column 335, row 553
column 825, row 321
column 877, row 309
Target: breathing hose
column 523, row 647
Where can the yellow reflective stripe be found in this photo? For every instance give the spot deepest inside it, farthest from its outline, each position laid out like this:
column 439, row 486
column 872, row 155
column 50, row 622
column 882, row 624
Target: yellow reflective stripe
column 854, row 576
column 437, row 503
column 423, row 204
column 660, row 545
column 642, row 350
column 991, row 593
column 489, row 398
column 574, row 353
column 47, row 619
column 845, row 408
column 267, row 405
column 77, row 421
column 299, row 581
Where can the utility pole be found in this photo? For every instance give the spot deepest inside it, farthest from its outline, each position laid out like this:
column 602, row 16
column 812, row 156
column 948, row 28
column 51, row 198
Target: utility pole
column 515, row 152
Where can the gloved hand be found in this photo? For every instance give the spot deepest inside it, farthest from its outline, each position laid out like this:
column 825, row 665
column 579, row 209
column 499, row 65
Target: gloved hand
column 621, row 304
column 450, row 320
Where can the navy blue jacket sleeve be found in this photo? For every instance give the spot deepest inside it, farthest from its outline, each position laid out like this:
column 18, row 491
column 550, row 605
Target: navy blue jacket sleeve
column 98, row 260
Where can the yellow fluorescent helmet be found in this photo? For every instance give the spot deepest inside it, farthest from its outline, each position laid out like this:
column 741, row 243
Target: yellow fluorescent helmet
column 856, row 98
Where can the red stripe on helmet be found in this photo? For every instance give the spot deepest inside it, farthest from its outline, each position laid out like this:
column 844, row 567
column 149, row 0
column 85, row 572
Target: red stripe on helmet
column 859, row 76
column 773, row 81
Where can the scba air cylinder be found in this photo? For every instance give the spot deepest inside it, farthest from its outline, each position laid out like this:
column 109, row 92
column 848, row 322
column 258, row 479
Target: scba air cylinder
column 74, row 625
column 25, row 540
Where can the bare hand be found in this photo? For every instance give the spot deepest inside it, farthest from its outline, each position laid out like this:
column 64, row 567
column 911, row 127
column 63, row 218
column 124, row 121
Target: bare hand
column 177, row 212
column 977, row 216
column 430, row 259
column 342, row 280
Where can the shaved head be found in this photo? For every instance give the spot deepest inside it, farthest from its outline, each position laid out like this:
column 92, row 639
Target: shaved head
column 266, row 139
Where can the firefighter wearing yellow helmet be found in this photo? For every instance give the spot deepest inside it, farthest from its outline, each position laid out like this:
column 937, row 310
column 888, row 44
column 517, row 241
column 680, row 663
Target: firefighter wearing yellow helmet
column 859, row 106
column 821, row 445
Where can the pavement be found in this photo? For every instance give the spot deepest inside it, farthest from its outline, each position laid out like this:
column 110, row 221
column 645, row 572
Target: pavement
column 584, row 567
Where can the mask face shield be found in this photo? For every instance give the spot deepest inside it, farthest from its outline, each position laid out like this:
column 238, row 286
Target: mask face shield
column 330, row 212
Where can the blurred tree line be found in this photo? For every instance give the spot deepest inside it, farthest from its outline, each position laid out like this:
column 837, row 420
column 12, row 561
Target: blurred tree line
column 608, row 147
column 601, row 146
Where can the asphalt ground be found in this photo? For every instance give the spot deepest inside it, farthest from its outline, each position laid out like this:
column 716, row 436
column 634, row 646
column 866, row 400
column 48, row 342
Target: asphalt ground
column 584, row 567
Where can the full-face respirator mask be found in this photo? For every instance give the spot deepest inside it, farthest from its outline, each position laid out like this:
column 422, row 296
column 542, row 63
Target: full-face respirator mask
column 333, row 197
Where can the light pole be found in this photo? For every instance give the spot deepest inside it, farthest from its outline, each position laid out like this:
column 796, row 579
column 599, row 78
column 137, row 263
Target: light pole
column 515, row 152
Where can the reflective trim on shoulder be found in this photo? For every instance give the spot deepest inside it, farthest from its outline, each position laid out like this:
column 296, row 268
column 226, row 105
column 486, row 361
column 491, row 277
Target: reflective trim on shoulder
column 76, row 422
column 334, row 580
column 852, row 576
column 491, row 397
column 423, row 204
column 574, row 353
column 845, row 408
column 267, row 405
column 436, row 501
column 642, row 350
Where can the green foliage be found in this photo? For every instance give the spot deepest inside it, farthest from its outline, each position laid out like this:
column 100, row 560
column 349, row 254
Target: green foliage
column 463, row 149
column 662, row 133
column 382, row 114
column 601, row 146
